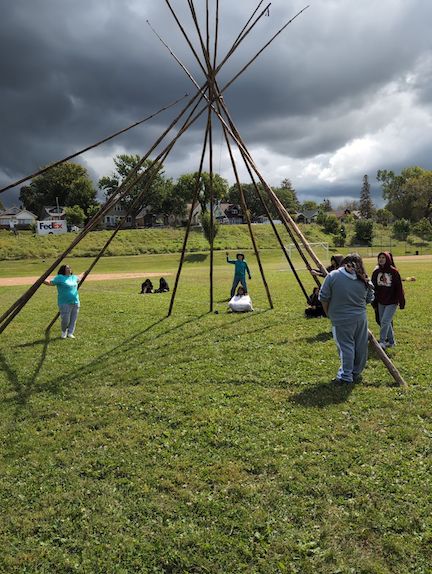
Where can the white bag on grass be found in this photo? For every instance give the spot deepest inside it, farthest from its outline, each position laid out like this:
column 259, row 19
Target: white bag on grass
column 240, row 304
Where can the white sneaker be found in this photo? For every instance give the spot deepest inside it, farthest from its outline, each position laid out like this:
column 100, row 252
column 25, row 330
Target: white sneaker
column 64, row 334
column 71, row 336
column 383, row 346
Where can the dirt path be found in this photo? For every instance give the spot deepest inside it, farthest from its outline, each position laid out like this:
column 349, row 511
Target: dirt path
column 11, row 281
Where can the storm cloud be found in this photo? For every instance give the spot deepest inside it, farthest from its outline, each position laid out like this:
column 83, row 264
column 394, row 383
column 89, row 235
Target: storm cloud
column 345, row 90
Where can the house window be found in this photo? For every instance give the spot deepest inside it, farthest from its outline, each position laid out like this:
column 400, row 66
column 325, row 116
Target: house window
column 128, row 219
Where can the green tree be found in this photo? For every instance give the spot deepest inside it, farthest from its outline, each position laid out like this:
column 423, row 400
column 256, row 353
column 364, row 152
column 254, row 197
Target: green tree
column 383, row 216
column 286, row 195
column 364, row 230
column 172, row 203
column 366, row 205
column 309, row 205
column 423, row 229
column 408, row 195
column 68, row 183
column 401, row 229
column 331, row 225
column 186, row 185
column 325, row 206
column 420, row 187
column 206, row 227
column 251, row 198
column 154, row 193
column 74, row 215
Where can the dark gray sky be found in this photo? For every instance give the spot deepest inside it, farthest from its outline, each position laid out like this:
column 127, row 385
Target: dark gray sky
column 343, row 91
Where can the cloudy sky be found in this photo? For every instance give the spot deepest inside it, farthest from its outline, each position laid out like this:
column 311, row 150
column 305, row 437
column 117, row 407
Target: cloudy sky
column 345, row 90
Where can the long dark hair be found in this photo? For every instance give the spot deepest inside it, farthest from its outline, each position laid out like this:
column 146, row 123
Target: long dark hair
column 62, row 270
column 357, row 264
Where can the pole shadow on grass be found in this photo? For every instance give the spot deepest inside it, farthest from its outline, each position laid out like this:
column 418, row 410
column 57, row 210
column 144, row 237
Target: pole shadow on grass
column 132, row 342
column 322, row 395
column 320, row 337
column 24, row 390
column 103, row 358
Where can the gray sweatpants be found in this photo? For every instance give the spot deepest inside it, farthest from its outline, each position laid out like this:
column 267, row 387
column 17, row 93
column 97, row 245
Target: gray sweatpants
column 352, row 342
column 68, row 316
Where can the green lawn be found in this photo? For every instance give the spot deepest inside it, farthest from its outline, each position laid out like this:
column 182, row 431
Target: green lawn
column 170, row 240
column 209, row 443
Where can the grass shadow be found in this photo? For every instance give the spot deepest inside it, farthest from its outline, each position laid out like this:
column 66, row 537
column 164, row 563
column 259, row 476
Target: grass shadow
column 320, row 338
column 196, row 257
column 323, row 395
column 24, row 390
column 103, row 358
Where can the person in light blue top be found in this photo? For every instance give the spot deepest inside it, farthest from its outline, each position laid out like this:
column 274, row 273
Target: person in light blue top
column 241, row 267
column 67, row 299
column 344, row 295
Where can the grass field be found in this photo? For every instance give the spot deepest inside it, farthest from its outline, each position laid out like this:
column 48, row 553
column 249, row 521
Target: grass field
column 206, row 443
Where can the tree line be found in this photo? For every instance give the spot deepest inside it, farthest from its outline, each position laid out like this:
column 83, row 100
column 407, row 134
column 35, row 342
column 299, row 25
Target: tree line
column 69, row 185
column 408, row 196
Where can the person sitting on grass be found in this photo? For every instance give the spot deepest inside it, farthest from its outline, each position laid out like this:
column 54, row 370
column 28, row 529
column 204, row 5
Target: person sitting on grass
column 146, row 287
column 315, row 308
column 163, row 286
column 67, row 299
column 241, row 267
column 241, row 302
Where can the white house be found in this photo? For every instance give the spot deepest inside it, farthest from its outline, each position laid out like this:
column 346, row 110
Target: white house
column 113, row 217
column 20, row 218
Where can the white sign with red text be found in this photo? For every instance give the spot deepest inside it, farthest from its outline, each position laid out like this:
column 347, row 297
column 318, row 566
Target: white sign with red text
column 51, row 227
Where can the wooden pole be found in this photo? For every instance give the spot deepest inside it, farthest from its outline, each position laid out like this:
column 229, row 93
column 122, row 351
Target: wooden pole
column 76, row 154
column 246, row 215
column 278, row 237
column 131, row 209
column 374, row 343
column 185, row 239
column 13, row 311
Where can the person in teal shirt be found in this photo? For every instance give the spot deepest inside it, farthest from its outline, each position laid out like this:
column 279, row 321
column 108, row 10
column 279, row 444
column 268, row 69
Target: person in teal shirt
column 67, row 299
column 241, row 267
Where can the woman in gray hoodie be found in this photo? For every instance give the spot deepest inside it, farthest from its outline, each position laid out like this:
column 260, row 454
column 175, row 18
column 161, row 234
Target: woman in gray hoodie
column 344, row 295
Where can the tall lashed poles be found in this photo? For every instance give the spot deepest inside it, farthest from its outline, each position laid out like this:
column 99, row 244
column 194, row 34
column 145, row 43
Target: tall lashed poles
column 216, row 105
column 209, row 82
column 123, row 190
column 286, row 218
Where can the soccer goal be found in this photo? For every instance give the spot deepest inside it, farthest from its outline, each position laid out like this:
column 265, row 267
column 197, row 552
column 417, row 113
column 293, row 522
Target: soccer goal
column 321, row 249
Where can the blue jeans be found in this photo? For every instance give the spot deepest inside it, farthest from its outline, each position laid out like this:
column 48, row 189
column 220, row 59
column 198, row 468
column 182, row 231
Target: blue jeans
column 238, row 279
column 351, row 340
column 386, row 313
column 68, row 316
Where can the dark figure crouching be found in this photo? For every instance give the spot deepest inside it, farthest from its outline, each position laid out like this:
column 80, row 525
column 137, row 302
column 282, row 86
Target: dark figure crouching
column 163, row 286
column 146, row 287
column 315, row 308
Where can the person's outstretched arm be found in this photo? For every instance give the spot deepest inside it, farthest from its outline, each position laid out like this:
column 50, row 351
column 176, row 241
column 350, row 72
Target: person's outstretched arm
column 230, row 260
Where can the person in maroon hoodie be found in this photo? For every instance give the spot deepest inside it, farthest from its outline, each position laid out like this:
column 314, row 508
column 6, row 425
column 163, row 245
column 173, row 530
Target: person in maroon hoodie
column 389, row 294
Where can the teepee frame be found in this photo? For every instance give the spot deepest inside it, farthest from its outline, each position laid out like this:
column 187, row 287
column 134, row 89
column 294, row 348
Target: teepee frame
column 210, row 95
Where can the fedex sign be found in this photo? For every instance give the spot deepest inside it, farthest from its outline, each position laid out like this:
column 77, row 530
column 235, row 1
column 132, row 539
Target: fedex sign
column 51, row 227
